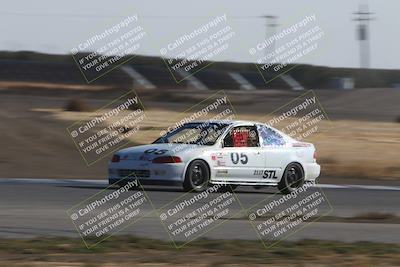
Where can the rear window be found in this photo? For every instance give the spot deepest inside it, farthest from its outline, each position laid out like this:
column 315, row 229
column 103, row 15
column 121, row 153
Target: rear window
column 270, row 137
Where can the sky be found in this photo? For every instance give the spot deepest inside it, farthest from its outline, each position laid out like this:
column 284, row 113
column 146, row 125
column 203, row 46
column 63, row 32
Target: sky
column 54, row 26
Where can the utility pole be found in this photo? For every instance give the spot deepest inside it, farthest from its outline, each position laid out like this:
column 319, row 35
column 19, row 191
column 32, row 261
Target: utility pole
column 363, row 17
column 271, row 24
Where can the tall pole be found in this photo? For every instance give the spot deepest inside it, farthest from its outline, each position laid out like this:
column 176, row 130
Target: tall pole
column 363, row 17
column 271, row 24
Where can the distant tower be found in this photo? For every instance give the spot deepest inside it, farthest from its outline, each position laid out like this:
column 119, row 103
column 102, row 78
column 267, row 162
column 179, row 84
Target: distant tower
column 271, row 23
column 363, row 17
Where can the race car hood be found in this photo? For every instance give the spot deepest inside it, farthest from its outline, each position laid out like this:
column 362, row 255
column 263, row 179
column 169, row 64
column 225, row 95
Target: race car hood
column 151, row 151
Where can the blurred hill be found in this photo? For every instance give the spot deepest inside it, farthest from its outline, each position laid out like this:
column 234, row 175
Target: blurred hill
column 20, row 68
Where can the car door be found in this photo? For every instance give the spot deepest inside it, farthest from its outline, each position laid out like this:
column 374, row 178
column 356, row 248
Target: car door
column 240, row 155
column 275, row 151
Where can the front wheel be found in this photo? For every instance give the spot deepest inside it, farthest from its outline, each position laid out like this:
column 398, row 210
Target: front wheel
column 292, row 178
column 197, row 176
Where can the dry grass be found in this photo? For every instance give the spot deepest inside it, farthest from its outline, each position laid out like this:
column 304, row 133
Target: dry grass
column 132, row 251
column 344, row 148
column 52, row 86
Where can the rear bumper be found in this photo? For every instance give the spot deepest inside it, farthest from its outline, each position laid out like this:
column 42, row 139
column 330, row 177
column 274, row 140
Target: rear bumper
column 312, row 171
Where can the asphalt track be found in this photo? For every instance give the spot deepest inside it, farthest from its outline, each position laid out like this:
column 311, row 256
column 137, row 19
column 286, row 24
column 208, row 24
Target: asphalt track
column 37, row 207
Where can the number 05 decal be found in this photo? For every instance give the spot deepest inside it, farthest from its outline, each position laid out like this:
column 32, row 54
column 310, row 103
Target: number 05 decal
column 235, row 157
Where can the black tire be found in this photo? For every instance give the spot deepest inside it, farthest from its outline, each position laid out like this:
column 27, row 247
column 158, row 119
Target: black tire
column 292, row 178
column 228, row 188
column 197, row 176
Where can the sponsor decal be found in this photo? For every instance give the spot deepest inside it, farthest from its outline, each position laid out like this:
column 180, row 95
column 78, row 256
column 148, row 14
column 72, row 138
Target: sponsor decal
column 266, row 174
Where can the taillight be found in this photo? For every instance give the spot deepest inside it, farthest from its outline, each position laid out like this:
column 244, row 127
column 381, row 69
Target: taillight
column 315, row 155
column 115, row 158
column 167, row 159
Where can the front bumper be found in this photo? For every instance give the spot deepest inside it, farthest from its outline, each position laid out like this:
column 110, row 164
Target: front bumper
column 146, row 173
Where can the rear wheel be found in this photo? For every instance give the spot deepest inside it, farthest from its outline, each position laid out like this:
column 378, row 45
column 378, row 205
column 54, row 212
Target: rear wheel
column 292, row 178
column 197, row 176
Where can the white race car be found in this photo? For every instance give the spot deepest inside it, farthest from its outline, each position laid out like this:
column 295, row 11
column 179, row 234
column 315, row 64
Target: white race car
column 229, row 153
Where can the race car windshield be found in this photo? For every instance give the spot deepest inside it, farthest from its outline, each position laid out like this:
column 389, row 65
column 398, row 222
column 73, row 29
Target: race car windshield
column 194, row 133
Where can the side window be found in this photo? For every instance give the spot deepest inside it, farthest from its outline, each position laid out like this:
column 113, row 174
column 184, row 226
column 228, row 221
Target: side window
column 269, row 137
column 242, row 136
